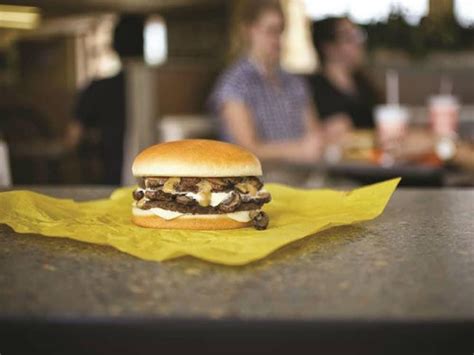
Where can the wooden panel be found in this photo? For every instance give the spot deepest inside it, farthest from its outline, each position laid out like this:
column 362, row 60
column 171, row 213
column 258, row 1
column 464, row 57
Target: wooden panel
column 197, row 33
column 184, row 88
column 47, row 78
column 416, row 84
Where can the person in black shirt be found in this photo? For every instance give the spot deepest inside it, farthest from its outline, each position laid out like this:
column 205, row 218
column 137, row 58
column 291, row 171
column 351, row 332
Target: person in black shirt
column 102, row 104
column 342, row 94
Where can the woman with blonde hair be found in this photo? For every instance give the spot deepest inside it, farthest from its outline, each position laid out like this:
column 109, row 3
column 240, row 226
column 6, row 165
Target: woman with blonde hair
column 259, row 105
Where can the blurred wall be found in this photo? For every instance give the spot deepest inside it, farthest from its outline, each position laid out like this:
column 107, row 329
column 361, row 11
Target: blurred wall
column 47, row 78
column 420, row 78
column 183, row 88
column 197, row 47
column 198, row 34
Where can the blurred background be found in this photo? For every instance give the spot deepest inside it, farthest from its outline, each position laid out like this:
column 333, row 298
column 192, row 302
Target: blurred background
column 59, row 61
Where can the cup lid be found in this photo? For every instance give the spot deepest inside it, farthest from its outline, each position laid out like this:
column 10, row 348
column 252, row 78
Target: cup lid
column 390, row 113
column 444, row 100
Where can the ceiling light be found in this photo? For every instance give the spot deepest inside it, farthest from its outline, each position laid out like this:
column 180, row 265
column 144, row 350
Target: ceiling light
column 21, row 17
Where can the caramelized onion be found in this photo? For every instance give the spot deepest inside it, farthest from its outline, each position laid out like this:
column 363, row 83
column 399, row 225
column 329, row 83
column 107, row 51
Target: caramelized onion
column 204, row 192
column 170, row 184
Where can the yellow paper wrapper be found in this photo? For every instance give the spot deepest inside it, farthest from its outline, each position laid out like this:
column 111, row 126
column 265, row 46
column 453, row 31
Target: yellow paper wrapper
column 294, row 214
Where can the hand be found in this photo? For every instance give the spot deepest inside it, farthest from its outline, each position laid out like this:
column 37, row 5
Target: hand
column 311, row 148
column 73, row 135
column 337, row 129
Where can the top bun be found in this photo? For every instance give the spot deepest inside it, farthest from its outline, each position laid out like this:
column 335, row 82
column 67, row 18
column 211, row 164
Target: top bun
column 196, row 157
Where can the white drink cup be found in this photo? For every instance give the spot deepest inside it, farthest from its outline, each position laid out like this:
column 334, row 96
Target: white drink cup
column 391, row 122
column 443, row 113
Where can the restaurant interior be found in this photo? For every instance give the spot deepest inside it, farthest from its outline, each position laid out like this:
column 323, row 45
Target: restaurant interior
column 418, row 54
column 298, row 238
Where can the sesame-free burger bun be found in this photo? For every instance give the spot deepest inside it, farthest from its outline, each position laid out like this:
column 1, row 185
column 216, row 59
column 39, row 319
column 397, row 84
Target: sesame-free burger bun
column 196, row 158
column 201, row 222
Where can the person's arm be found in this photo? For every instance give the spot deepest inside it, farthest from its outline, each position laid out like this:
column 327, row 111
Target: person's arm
column 73, row 134
column 337, row 128
column 240, row 125
column 311, row 120
column 83, row 116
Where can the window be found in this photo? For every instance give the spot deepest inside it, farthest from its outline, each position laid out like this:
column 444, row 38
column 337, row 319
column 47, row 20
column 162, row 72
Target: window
column 155, row 41
column 464, row 12
column 366, row 11
column 298, row 54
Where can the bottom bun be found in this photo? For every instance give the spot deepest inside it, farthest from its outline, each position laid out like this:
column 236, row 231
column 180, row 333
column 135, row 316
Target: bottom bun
column 201, row 222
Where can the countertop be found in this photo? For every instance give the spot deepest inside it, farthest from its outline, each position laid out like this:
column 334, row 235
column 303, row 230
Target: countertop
column 409, row 272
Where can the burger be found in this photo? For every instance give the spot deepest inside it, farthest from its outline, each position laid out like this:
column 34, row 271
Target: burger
column 198, row 184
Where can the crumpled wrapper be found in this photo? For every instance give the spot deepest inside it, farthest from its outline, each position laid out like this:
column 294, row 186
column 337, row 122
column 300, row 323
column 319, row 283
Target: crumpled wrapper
column 294, row 214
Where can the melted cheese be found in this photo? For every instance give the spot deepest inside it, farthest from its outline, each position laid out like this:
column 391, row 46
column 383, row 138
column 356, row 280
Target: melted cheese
column 215, row 200
column 241, row 216
column 218, row 197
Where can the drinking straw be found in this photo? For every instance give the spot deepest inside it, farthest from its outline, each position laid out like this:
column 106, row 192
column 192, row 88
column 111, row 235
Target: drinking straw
column 392, row 87
column 446, row 85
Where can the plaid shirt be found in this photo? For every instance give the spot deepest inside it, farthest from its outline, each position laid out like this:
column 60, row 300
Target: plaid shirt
column 277, row 110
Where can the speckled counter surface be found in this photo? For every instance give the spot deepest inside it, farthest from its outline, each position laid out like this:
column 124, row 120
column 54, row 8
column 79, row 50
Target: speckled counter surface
column 413, row 265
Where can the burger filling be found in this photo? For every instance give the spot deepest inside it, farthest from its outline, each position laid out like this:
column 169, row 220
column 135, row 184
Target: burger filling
column 240, row 198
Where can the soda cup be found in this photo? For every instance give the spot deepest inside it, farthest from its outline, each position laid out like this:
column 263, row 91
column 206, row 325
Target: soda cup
column 391, row 122
column 443, row 111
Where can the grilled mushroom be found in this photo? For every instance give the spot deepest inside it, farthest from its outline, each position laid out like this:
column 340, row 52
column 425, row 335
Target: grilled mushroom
column 218, row 184
column 154, row 182
column 184, row 200
column 261, row 197
column 137, row 194
column 265, row 197
column 233, row 180
column 246, row 188
column 255, row 181
column 231, row 203
column 158, row 195
column 188, row 184
column 259, row 219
